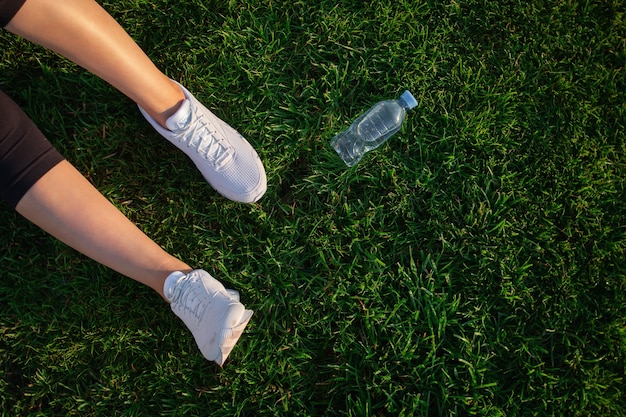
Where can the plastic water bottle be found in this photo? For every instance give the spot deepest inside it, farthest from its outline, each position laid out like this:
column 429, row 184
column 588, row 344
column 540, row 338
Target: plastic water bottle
column 372, row 128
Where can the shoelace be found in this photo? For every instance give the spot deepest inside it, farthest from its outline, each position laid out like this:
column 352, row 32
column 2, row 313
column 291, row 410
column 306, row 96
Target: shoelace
column 207, row 144
column 185, row 297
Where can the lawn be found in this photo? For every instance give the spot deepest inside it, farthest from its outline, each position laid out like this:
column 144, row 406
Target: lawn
column 472, row 265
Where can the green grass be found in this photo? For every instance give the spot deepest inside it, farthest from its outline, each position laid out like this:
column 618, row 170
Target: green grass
column 473, row 265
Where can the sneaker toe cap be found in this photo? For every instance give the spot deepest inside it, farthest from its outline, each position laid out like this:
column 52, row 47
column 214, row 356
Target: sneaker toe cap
column 243, row 181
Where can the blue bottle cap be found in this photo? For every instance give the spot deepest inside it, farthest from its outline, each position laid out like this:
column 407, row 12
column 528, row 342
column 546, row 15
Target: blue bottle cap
column 408, row 98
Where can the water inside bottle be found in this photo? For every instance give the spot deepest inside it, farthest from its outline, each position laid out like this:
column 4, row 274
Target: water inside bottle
column 348, row 147
column 383, row 120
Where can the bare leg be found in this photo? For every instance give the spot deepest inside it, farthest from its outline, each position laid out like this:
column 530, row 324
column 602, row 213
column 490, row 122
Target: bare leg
column 66, row 205
column 86, row 34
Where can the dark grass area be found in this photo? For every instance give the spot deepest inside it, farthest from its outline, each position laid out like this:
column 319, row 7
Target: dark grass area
column 474, row 265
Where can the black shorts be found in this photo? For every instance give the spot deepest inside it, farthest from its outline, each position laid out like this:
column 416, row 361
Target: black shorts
column 8, row 8
column 25, row 154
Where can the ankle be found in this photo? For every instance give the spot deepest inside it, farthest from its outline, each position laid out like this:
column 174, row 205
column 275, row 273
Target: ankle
column 169, row 284
column 172, row 99
column 161, row 118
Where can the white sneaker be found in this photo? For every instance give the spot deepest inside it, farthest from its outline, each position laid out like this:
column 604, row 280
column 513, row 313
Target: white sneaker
column 226, row 160
column 212, row 313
